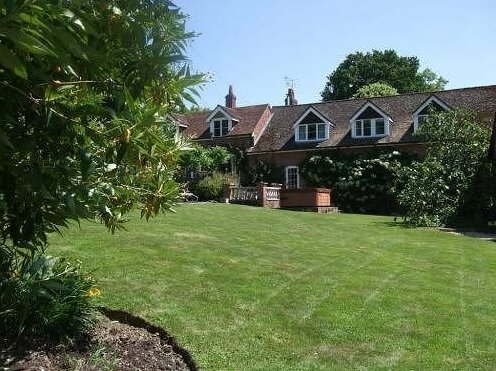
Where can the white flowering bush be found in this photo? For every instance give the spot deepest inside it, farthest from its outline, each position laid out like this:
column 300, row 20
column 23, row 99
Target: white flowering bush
column 451, row 185
column 366, row 184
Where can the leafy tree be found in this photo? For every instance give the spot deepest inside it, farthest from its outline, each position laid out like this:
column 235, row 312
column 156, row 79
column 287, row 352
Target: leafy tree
column 376, row 89
column 452, row 180
column 359, row 69
column 204, row 158
column 83, row 89
column 432, row 81
column 196, row 109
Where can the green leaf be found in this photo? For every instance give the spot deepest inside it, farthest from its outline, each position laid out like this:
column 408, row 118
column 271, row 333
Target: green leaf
column 53, row 285
column 27, row 42
column 10, row 61
column 27, row 18
column 70, row 43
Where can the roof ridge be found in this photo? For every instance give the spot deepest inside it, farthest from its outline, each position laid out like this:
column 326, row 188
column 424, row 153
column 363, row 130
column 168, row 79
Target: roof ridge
column 389, row 96
column 250, row 106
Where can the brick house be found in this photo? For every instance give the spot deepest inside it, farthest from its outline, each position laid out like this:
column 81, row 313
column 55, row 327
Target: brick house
column 286, row 135
column 229, row 125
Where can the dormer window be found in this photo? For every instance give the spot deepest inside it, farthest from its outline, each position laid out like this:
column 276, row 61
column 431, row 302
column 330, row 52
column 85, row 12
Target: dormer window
column 221, row 121
column 370, row 128
column 314, row 131
column 370, row 122
column 312, row 126
column 421, row 119
column 221, row 127
column 431, row 105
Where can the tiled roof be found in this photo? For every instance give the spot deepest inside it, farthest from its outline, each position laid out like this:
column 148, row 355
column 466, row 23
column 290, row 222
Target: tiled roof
column 250, row 121
column 279, row 134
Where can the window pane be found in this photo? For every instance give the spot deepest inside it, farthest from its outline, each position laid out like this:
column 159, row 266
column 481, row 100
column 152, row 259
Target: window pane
column 367, row 128
column 292, row 177
column 422, row 119
column 216, row 128
column 321, row 134
column 302, row 132
column 312, row 131
column 358, row 128
column 225, row 127
column 379, row 127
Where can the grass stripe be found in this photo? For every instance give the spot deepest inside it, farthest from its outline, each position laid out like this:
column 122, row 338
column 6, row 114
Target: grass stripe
column 246, row 288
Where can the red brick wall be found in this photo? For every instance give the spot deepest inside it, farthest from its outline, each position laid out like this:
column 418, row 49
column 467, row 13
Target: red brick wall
column 295, row 158
column 305, row 197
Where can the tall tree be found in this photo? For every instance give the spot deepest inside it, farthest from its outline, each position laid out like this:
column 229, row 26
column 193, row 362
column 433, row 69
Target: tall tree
column 359, row 69
column 83, row 88
column 376, row 89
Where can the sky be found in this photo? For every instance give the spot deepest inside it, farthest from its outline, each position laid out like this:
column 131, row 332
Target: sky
column 262, row 47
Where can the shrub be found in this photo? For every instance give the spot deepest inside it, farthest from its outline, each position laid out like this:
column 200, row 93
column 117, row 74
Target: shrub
column 265, row 172
column 204, row 158
column 359, row 183
column 85, row 87
column 45, row 296
column 448, row 185
column 211, row 187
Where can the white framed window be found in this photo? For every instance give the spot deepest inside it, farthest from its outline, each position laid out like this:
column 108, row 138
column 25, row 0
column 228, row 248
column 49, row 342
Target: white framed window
column 370, row 121
column 292, row 177
column 420, row 120
column 312, row 132
column 366, row 128
column 312, row 126
column 421, row 115
column 221, row 127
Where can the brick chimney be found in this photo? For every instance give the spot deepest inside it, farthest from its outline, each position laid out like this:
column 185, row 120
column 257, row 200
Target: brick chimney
column 230, row 98
column 290, row 98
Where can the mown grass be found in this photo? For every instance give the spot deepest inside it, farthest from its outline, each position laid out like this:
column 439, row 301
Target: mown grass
column 246, row 288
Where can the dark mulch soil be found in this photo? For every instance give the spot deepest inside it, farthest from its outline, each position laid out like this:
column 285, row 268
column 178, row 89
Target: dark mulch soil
column 111, row 345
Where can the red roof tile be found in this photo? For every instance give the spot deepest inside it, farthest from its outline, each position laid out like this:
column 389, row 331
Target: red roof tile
column 251, row 121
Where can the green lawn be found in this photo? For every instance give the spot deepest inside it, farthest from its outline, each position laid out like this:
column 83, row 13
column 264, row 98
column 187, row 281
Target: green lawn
column 246, row 288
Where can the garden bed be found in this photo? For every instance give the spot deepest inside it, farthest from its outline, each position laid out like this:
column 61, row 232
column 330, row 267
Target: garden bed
column 132, row 344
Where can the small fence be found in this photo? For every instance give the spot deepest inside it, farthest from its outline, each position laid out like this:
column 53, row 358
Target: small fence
column 243, row 194
column 306, row 199
column 273, row 193
column 260, row 195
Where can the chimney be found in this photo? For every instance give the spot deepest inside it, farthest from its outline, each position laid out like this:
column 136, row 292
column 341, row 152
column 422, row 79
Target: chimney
column 230, row 98
column 290, row 98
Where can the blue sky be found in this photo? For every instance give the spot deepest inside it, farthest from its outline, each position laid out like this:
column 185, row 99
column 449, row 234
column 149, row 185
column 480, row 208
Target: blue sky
column 254, row 45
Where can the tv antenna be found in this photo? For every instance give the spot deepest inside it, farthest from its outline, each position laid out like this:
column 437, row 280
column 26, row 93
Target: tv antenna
column 290, row 82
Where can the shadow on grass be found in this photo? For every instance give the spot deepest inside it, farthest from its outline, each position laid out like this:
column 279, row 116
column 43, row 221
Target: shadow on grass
column 398, row 224
column 467, row 232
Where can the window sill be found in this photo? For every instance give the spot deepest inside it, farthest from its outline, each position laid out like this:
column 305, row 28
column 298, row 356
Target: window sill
column 310, row 140
column 370, row 136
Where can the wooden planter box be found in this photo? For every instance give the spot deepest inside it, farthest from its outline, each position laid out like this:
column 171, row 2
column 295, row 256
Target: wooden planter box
column 312, row 199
